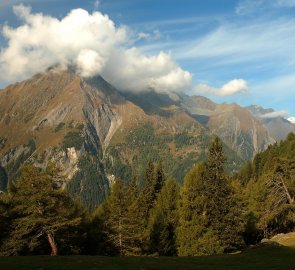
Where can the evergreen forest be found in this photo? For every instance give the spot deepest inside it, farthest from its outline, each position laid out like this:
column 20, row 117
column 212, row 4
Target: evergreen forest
column 212, row 212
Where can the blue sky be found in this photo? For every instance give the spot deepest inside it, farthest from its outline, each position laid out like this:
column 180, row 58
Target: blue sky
column 216, row 41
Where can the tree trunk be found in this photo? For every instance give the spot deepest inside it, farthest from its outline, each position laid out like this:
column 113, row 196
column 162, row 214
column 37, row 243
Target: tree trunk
column 52, row 244
column 289, row 197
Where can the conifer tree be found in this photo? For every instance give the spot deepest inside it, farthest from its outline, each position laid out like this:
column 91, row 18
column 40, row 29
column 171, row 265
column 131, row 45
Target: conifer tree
column 148, row 194
column 124, row 218
column 134, row 220
column 277, row 195
column 159, row 178
column 39, row 211
column 153, row 182
column 4, row 217
column 223, row 212
column 209, row 209
column 163, row 221
column 115, row 214
column 194, row 237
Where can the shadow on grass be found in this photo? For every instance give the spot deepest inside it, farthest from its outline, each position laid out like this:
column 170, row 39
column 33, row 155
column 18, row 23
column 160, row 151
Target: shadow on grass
column 264, row 257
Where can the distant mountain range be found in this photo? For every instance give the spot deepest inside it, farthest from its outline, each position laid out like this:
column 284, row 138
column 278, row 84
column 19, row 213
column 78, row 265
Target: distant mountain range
column 95, row 132
column 277, row 126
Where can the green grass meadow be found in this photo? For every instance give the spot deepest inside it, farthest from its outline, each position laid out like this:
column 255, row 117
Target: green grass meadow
column 265, row 257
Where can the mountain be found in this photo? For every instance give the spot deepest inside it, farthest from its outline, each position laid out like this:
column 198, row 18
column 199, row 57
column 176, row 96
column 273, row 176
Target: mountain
column 238, row 128
column 94, row 132
column 277, row 126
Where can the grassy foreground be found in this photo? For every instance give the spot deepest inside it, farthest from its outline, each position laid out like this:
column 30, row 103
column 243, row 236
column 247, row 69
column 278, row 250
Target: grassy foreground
column 266, row 257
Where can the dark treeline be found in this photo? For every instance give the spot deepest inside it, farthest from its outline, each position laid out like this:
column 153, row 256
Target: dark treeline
column 210, row 213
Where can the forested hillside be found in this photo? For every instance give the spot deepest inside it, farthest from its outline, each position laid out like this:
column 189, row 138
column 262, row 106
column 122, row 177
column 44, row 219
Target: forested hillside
column 210, row 213
column 269, row 188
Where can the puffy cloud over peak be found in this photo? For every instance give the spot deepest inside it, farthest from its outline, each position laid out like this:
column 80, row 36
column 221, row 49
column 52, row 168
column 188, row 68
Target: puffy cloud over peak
column 92, row 43
column 292, row 120
column 231, row 88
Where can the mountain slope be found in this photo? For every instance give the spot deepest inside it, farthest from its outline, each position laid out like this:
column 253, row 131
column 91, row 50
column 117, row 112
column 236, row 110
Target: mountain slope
column 94, row 133
column 277, row 126
column 57, row 116
column 236, row 126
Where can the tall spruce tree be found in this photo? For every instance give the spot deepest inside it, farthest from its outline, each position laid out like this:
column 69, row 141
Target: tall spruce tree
column 210, row 219
column 134, row 220
column 163, row 221
column 159, row 177
column 194, row 236
column 124, row 218
column 222, row 208
column 148, row 195
column 115, row 214
column 39, row 211
column 153, row 183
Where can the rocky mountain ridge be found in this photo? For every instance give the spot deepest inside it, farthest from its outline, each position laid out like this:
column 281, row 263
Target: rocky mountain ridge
column 94, row 132
column 278, row 127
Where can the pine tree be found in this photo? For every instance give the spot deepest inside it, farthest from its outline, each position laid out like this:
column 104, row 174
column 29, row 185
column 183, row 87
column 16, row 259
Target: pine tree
column 277, row 207
column 194, row 237
column 123, row 218
column 159, row 178
column 134, row 221
column 4, row 217
column 39, row 211
column 115, row 214
column 147, row 195
column 223, row 212
column 163, row 221
column 210, row 219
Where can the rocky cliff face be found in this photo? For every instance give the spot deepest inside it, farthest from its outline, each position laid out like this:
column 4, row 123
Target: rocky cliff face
column 58, row 117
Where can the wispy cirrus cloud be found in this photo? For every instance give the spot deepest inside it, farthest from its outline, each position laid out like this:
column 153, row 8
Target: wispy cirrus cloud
column 246, row 7
column 232, row 43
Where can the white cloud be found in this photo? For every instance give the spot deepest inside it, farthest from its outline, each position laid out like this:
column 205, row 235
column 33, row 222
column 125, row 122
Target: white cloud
column 231, row 88
column 292, row 120
column 275, row 114
column 93, row 43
